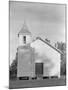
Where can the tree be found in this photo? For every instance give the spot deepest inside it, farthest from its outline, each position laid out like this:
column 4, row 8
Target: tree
column 62, row 47
column 47, row 40
column 13, row 69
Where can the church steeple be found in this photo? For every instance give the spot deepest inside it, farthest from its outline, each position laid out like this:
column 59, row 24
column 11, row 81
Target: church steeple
column 24, row 29
column 24, row 35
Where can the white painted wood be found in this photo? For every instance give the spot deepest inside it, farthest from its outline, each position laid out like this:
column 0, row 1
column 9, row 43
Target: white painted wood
column 21, row 40
column 49, row 56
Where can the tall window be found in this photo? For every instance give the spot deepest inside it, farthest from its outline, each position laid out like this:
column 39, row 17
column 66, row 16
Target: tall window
column 24, row 39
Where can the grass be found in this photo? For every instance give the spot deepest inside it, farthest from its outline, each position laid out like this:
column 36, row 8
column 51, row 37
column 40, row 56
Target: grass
column 37, row 83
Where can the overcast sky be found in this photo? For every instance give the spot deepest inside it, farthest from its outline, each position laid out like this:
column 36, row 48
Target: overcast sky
column 44, row 20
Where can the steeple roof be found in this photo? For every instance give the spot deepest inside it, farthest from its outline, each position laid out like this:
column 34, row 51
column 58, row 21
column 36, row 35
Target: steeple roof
column 24, row 30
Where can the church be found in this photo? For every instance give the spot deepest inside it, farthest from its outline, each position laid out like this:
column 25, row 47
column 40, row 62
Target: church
column 36, row 58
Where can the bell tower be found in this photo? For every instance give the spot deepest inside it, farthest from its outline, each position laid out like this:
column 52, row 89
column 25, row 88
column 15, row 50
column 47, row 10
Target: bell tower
column 24, row 36
column 25, row 53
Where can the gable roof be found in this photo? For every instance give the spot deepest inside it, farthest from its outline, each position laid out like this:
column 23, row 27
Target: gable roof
column 50, row 45
column 24, row 30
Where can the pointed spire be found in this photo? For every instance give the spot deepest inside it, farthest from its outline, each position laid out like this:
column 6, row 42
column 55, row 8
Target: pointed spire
column 24, row 29
column 24, row 25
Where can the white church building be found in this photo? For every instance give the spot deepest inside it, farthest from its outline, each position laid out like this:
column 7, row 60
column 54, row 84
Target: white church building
column 36, row 58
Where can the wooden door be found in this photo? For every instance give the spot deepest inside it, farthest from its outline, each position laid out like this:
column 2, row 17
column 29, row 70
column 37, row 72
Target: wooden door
column 39, row 69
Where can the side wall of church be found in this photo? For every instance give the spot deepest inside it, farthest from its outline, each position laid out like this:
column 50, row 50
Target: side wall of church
column 49, row 57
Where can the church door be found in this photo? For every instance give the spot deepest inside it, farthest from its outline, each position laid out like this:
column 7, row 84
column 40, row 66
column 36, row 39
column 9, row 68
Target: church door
column 39, row 69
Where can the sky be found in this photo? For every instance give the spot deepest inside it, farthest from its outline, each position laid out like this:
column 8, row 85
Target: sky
column 44, row 20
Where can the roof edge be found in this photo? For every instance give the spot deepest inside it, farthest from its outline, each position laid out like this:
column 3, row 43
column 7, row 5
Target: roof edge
column 50, row 45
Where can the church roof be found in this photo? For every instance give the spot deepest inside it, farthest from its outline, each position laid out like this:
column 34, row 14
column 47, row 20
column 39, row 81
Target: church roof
column 24, row 30
column 50, row 45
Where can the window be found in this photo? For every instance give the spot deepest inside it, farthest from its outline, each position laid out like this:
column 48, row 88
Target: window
column 24, row 39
